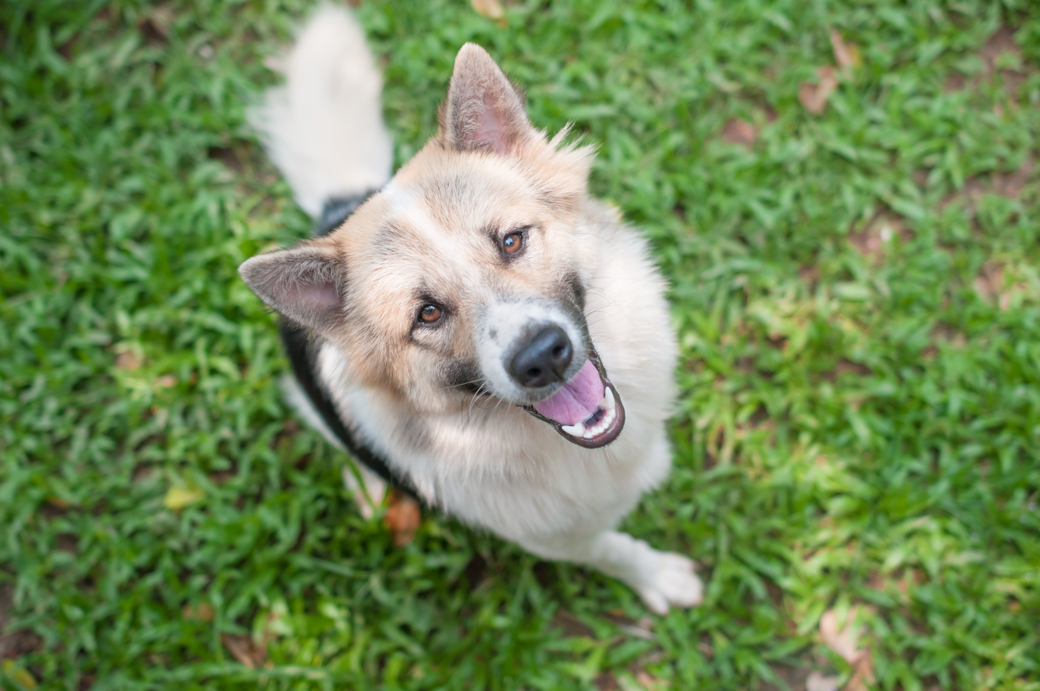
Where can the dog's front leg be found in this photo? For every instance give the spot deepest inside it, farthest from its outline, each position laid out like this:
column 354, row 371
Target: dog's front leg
column 662, row 579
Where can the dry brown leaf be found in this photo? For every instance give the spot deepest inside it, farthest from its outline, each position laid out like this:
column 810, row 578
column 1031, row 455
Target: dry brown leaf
column 842, row 641
column 741, row 132
column 402, row 518
column 246, row 650
column 491, row 9
column 201, row 612
column 166, row 381
column 815, row 96
column 129, row 360
column 847, row 55
column 845, row 642
column 818, row 682
column 649, row 681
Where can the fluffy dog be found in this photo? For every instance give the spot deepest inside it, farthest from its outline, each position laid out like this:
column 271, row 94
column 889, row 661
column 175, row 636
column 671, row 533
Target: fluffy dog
column 476, row 328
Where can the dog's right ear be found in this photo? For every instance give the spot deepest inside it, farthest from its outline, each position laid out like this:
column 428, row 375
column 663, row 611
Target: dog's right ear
column 483, row 110
column 302, row 284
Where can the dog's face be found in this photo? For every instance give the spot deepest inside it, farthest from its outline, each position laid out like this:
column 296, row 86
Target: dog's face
column 461, row 277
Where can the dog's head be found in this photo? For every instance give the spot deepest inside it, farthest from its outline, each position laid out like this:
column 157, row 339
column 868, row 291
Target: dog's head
column 464, row 275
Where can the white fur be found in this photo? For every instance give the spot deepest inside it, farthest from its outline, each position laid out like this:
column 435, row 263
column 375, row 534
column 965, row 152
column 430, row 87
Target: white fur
column 324, row 129
column 491, row 464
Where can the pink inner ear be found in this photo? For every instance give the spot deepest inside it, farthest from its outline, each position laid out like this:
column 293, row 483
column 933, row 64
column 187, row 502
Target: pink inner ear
column 318, row 297
column 490, row 130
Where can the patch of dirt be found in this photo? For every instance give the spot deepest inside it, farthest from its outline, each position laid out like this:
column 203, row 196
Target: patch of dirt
column 846, row 366
column 1007, row 185
column 1000, row 43
column 606, row 682
column 476, row 571
column 993, row 285
column 226, row 155
column 155, row 25
column 571, row 625
column 13, row 644
column 544, row 573
column 740, row 132
column 872, row 239
column 948, row 334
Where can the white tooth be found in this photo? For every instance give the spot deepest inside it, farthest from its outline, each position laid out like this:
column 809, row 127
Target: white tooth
column 608, row 402
column 575, row 430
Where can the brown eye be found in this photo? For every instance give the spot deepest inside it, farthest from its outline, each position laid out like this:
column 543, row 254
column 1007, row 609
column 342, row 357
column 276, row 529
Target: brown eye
column 429, row 314
column 512, row 243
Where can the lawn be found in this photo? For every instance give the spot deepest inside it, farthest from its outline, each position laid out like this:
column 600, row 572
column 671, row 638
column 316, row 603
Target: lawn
column 856, row 291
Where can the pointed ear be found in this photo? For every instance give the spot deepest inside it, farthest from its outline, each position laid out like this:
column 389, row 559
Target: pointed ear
column 483, row 109
column 302, row 284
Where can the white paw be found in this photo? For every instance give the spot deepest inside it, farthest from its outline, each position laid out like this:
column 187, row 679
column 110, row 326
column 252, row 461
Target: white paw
column 672, row 582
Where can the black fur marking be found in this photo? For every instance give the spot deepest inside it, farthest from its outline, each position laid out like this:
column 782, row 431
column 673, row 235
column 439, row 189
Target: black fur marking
column 338, row 209
column 463, row 375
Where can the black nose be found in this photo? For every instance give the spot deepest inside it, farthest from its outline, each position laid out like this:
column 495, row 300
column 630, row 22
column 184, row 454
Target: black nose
column 542, row 359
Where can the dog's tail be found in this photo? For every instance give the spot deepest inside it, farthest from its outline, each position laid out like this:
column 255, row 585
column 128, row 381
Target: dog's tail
column 324, row 128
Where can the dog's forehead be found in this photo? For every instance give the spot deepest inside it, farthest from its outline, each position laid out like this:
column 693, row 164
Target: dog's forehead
column 459, row 194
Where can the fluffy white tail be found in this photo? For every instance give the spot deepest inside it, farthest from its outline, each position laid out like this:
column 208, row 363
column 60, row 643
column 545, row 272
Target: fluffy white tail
column 324, row 128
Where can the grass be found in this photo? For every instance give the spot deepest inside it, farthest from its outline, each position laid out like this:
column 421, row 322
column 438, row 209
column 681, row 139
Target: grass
column 860, row 418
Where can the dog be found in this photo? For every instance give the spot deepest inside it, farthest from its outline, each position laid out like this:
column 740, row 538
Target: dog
column 476, row 328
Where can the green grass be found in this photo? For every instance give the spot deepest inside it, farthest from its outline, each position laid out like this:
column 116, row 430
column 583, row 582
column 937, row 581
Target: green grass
column 855, row 428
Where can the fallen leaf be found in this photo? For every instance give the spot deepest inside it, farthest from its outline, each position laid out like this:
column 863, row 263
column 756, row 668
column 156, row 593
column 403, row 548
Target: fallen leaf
column 179, row 496
column 818, row 682
column 18, row 674
column 246, row 650
column 491, row 9
column 649, row 681
column 814, row 96
column 166, row 381
column 129, row 360
column 847, row 55
column 201, row 612
column 845, row 642
column 741, row 132
column 402, row 518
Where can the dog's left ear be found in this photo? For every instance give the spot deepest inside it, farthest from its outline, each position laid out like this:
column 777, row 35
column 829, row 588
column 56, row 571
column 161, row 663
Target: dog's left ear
column 304, row 283
column 483, row 109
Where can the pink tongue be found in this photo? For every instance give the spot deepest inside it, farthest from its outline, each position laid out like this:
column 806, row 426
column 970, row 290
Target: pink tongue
column 577, row 400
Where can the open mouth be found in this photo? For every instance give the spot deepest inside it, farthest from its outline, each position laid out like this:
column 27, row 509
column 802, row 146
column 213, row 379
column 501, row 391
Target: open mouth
column 586, row 410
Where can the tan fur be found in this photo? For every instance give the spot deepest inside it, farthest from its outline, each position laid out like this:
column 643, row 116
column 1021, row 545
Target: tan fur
column 433, row 233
